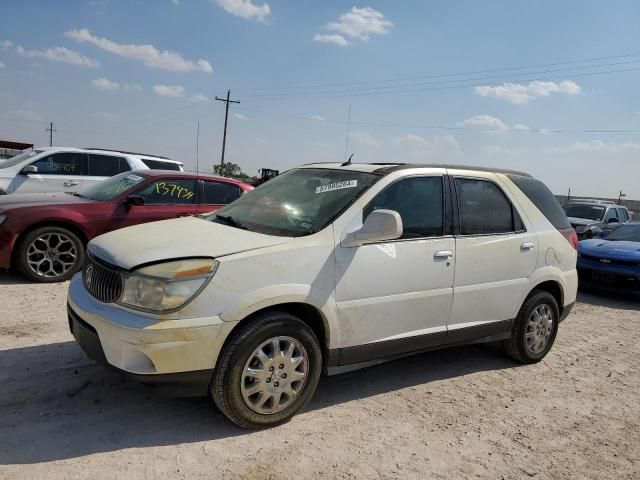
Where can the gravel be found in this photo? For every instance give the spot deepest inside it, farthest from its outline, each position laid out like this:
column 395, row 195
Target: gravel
column 467, row 412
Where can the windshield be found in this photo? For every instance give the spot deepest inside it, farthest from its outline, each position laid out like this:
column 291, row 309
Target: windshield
column 112, row 187
column 296, row 203
column 590, row 212
column 625, row 233
column 18, row 158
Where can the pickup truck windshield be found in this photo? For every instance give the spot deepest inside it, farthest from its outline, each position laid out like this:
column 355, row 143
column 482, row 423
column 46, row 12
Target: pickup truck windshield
column 296, row 203
column 590, row 212
column 112, row 187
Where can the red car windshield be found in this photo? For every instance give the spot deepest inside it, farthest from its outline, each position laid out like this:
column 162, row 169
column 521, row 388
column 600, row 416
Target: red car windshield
column 112, row 187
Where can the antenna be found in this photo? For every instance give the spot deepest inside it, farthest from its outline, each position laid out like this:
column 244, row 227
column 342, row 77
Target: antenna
column 346, row 144
column 348, row 162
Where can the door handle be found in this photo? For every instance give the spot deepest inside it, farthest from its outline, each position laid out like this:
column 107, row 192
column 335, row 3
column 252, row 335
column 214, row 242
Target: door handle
column 527, row 246
column 70, row 183
column 443, row 255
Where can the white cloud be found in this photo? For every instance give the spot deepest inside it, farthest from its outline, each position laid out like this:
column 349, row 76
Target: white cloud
column 246, row 9
column 437, row 144
column 521, row 94
column 131, row 86
column 176, row 2
column 6, row 44
column 596, row 146
column 26, row 114
column 2, row 65
column 364, row 138
column 108, row 115
column 105, row 84
column 521, row 127
column 320, row 118
column 198, row 98
column 59, row 54
column 147, row 54
column 487, row 122
column 169, row 90
column 335, row 38
column 361, row 23
column 240, row 116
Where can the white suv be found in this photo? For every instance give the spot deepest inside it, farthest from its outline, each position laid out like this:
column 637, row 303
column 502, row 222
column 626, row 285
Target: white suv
column 60, row 169
column 327, row 268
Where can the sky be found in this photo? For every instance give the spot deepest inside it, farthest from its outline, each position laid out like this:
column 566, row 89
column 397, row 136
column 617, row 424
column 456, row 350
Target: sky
column 549, row 87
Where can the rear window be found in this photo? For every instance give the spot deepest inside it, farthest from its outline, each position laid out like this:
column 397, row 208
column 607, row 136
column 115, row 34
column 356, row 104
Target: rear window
column 160, row 165
column 542, row 198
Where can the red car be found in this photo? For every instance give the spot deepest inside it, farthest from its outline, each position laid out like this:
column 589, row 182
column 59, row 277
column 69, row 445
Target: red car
column 44, row 235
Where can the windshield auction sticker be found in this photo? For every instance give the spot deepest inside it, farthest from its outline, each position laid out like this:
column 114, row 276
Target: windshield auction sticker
column 337, row 186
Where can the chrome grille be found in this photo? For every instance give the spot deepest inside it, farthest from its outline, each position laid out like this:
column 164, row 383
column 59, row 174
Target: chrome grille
column 102, row 282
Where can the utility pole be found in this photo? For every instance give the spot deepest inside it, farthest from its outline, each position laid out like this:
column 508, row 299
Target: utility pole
column 620, row 197
column 226, row 117
column 50, row 130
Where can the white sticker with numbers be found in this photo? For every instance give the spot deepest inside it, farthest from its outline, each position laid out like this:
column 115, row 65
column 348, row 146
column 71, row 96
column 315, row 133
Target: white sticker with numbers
column 337, row 186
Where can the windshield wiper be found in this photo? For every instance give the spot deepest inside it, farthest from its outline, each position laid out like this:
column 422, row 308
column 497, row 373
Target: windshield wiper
column 231, row 221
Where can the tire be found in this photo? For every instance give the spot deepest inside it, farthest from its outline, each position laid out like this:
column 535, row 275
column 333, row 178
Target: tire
column 49, row 254
column 532, row 336
column 231, row 385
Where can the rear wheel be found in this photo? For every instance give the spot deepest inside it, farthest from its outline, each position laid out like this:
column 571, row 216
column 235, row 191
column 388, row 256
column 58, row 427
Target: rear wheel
column 268, row 371
column 49, row 254
column 535, row 328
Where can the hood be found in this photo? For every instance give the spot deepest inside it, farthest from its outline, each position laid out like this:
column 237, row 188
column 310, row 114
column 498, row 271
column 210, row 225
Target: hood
column 582, row 221
column 612, row 250
column 20, row 200
column 176, row 238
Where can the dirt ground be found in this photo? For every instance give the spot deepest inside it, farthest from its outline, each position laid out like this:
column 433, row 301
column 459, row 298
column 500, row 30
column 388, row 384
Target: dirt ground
column 460, row 413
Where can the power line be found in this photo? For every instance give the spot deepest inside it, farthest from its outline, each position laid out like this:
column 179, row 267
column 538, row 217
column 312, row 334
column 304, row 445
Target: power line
column 440, row 75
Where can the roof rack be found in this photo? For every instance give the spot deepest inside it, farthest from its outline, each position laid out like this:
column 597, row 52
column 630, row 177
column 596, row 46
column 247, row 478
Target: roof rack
column 592, row 200
column 127, row 153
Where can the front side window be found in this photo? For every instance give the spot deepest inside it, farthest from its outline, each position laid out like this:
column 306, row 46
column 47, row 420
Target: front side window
column 484, row 208
column 220, row 193
column 106, row 165
column 612, row 214
column 296, row 203
column 419, row 202
column 112, row 187
column 67, row 163
column 169, row 191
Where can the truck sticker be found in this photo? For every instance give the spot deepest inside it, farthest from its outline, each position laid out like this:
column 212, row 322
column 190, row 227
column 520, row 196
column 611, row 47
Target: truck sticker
column 337, row 186
column 173, row 190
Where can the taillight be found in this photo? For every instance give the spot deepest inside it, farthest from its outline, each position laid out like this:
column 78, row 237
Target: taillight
column 571, row 236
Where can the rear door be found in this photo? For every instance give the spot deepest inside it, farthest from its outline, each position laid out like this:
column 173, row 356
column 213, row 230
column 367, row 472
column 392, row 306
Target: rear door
column 58, row 172
column 495, row 255
column 163, row 199
column 101, row 166
column 217, row 194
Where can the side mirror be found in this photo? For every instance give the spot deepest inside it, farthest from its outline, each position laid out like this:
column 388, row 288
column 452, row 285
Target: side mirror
column 379, row 226
column 612, row 220
column 29, row 169
column 134, row 201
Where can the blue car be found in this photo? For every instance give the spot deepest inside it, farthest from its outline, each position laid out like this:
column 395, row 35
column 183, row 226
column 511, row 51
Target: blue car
column 612, row 262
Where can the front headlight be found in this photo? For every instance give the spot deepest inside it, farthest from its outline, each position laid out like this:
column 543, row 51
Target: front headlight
column 167, row 286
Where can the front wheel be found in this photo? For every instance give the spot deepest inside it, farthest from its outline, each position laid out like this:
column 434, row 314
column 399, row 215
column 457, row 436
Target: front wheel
column 535, row 328
column 268, row 371
column 49, row 254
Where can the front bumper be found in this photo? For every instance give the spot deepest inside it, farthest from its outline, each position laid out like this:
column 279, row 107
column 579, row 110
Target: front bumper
column 180, row 360
column 612, row 276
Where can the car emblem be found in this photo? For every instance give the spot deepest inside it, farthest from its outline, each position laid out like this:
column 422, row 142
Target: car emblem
column 88, row 276
column 604, row 260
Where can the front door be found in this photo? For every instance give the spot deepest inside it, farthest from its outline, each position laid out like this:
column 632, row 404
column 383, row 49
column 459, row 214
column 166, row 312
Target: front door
column 395, row 297
column 495, row 256
column 58, row 172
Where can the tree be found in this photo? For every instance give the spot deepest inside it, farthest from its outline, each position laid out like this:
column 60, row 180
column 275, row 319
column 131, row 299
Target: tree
column 229, row 170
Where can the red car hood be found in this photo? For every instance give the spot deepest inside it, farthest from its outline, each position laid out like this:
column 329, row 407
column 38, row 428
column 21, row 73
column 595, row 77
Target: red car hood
column 20, row 200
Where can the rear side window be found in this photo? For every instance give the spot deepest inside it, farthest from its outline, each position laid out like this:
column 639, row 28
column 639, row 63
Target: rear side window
column 67, row 163
column 542, row 198
column 484, row 208
column 220, row 193
column 419, row 202
column 160, row 165
column 106, row 165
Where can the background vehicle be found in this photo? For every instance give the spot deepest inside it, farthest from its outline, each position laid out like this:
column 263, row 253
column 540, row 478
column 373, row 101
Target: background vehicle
column 592, row 218
column 327, row 267
column 44, row 235
column 61, row 169
column 612, row 262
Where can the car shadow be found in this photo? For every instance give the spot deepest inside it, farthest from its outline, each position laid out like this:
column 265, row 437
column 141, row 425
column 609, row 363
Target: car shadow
column 609, row 299
column 57, row 404
column 11, row 278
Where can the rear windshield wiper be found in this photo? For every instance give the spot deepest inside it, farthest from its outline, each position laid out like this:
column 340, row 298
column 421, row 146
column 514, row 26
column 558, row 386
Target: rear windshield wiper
column 231, row 221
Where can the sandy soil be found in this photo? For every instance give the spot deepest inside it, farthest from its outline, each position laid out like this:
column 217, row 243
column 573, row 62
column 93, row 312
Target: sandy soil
column 460, row 413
